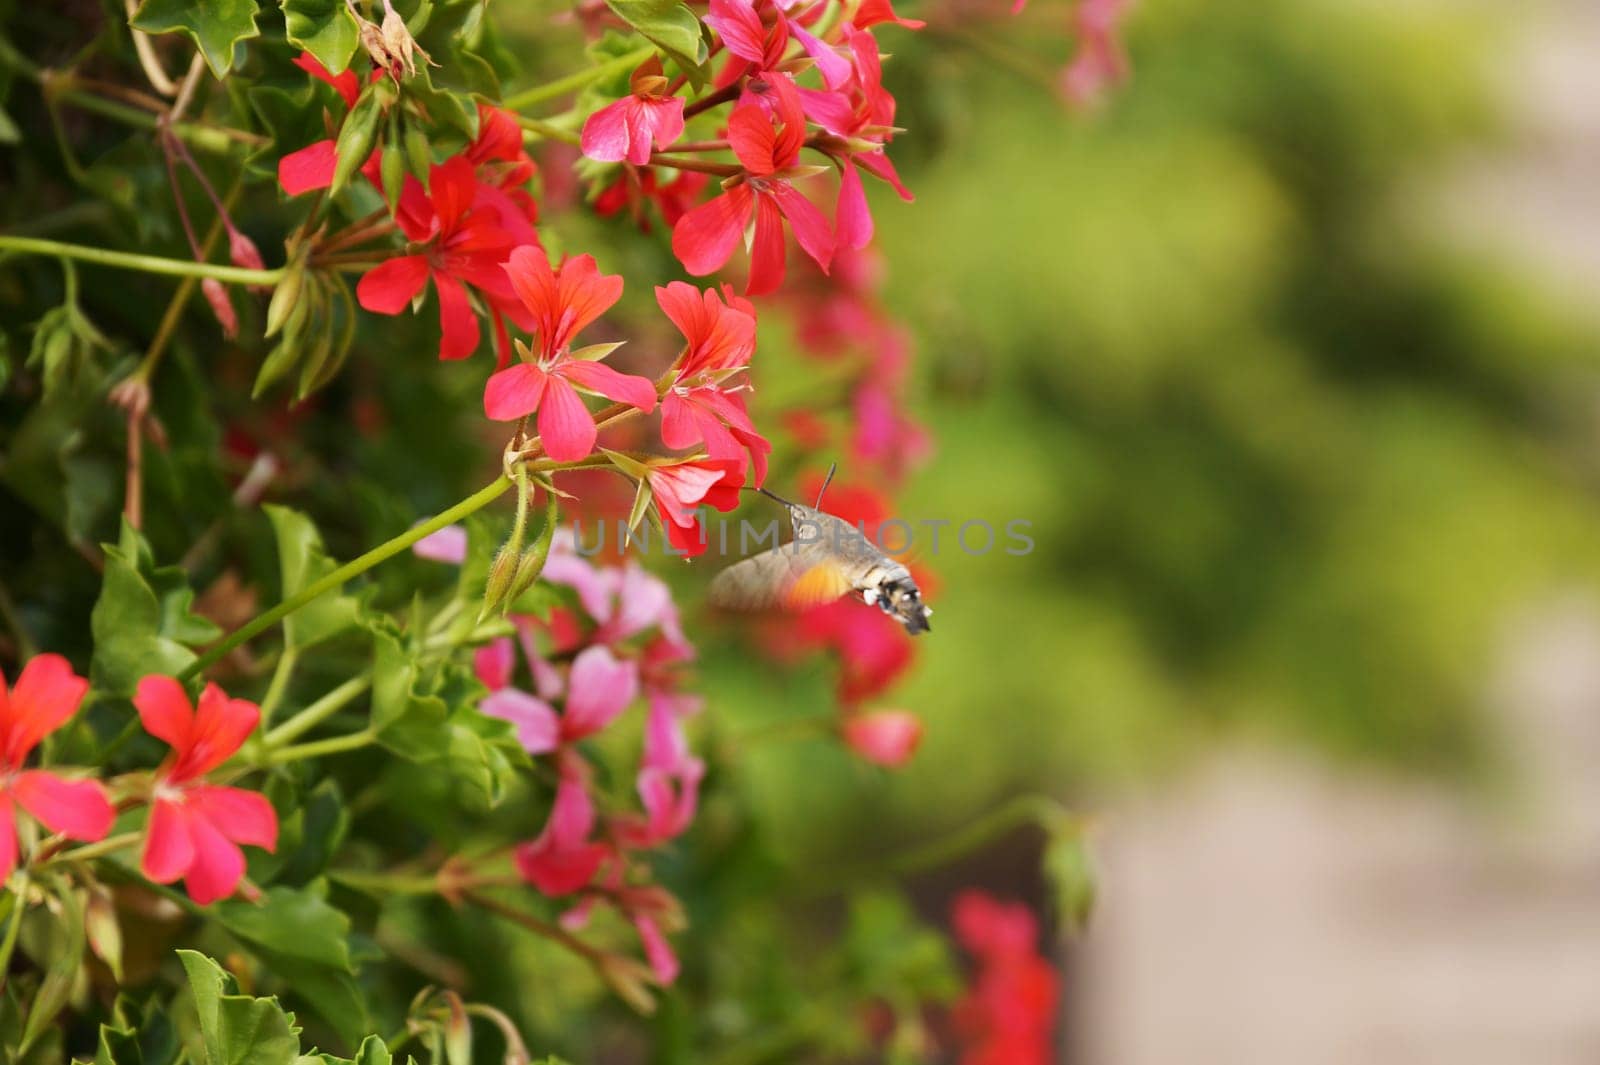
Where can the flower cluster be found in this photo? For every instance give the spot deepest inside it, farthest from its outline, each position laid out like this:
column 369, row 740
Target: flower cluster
column 566, row 679
column 1008, row 1014
column 194, row 829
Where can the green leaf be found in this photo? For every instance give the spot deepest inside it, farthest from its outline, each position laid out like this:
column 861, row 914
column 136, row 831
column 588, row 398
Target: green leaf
column 141, row 622
column 217, row 26
column 372, row 1051
column 62, row 972
column 118, row 1046
column 237, row 1029
column 324, row 28
column 669, row 25
column 406, row 718
column 305, row 941
column 301, row 562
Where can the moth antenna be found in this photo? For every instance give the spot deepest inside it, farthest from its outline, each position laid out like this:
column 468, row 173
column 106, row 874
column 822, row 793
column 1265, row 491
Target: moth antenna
column 769, row 495
column 826, row 481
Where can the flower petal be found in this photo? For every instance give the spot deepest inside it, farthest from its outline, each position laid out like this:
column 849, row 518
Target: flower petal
column 218, row 864
column 635, row 391
column 493, row 663
column 705, row 237
column 605, row 133
column 514, row 392
column 168, row 849
column 241, row 815
column 164, row 710
column 389, row 287
column 538, row 727
column 810, row 226
column 309, row 168
column 221, row 725
column 566, row 428
column 77, row 809
column 852, row 217
column 599, row 688
column 8, row 838
column 47, row 692
column 458, row 326
column 768, row 251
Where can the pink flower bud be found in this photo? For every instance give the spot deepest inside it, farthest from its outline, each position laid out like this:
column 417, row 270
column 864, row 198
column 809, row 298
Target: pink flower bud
column 884, row 737
column 221, row 306
column 242, row 250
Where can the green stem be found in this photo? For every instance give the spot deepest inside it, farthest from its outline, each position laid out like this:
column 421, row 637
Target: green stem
column 318, row 748
column 384, row 551
column 391, row 883
column 278, row 685
column 90, row 851
column 128, row 260
column 319, row 711
column 13, row 926
column 1021, row 810
column 562, row 86
column 548, row 130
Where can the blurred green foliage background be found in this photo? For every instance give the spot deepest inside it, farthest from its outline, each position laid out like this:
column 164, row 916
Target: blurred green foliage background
column 1291, row 455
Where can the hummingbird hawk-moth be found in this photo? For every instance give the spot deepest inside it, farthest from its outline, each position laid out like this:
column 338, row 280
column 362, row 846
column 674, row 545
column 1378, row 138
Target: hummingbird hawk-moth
column 827, row 558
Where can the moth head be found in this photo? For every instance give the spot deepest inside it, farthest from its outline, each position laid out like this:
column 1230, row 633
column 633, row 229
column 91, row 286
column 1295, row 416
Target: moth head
column 901, row 599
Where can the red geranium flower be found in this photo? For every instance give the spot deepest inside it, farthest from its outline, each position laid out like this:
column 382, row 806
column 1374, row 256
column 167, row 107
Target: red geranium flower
column 769, row 151
column 563, row 858
column 682, row 487
column 46, row 694
column 462, row 240
column 312, row 166
column 196, row 828
column 561, row 302
column 699, row 406
column 626, row 129
column 634, row 187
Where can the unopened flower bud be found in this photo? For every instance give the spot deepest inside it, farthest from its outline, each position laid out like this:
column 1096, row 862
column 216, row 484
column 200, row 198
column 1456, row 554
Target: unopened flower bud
column 884, row 737
column 221, row 306
column 242, row 250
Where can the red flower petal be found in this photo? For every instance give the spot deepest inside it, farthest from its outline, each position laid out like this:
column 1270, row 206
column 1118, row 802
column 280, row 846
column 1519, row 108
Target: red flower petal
column 566, row 428
column 389, row 287
column 164, row 710
column 753, row 138
column 768, row 250
column 8, row 838
column 220, row 726
column 168, row 849
column 240, row 815
column 78, row 809
column 309, row 168
column 514, row 392
column 458, row 326
column 218, row 865
column 705, row 237
column 852, row 217
column 47, row 692
column 678, row 427
column 810, row 225
column 598, row 377
column 605, row 133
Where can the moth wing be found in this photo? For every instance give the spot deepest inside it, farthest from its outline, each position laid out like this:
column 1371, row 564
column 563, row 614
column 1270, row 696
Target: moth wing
column 786, row 576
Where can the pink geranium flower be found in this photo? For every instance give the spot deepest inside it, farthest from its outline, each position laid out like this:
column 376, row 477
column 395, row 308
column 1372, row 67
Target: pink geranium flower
column 768, row 148
column 196, row 828
column 46, row 694
column 462, row 242
column 561, row 301
column 626, row 129
column 598, row 689
column 699, row 406
column 682, row 487
column 563, row 858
